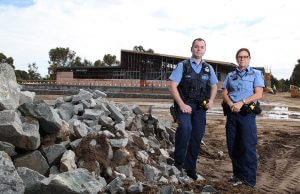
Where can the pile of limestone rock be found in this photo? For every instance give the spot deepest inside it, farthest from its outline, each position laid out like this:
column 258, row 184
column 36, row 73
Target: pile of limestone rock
column 82, row 144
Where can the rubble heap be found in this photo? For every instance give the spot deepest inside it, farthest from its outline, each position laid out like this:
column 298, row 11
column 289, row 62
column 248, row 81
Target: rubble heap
column 82, row 144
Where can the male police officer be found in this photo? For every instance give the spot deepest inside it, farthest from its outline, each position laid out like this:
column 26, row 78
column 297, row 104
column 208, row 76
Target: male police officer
column 242, row 87
column 193, row 87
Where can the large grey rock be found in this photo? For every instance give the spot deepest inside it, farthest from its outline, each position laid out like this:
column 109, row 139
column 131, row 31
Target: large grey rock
column 82, row 95
column 115, row 113
column 106, row 121
column 115, row 185
column 25, row 136
column 168, row 189
column 9, row 88
column 54, row 152
column 80, row 129
column 137, row 123
column 11, row 128
column 78, row 108
column 92, row 114
column 142, row 156
column 8, row 148
column 118, row 143
column 151, row 173
column 137, row 110
column 26, row 96
column 120, row 126
column 90, row 123
column 32, row 139
column 75, row 143
column 47, row 117
column 10, row 181
column 31, row 179
column 126, row 169
column 78, row 181
column 98, row 94
column 135, row 188
column 102, row 106
column 65, row 111
column 33, row 160
column 67, row 162
column 53, row 170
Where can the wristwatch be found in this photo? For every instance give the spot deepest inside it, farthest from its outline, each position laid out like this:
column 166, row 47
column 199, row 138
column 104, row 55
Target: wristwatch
column 244, row 101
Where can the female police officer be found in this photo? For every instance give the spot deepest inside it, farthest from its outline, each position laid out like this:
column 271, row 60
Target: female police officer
column 192, row 83
column 241, row 87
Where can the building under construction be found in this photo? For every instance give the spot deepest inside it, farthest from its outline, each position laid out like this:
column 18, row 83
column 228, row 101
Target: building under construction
column 137, row 68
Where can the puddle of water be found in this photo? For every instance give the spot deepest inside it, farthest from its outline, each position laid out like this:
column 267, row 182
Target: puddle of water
column 281, row 112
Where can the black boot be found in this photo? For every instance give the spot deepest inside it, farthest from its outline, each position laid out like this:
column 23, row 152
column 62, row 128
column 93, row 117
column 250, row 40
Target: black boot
column 192, row 174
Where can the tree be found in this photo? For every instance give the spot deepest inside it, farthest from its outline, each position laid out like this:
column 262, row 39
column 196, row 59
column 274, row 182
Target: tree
column 99, row 63
column 109, row 59
column 274, row 81
column 77, row 62
column 150, row 50
column 33, row 73
column 87, row 63
column 295, row 78
column 8, row 60
column 21, row 75
column 283, row 85
column 141, row 49
column 60, row 57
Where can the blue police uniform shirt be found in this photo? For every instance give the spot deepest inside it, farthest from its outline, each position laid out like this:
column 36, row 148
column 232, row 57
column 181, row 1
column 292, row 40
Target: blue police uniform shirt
column 177, row 73
column 241, row 84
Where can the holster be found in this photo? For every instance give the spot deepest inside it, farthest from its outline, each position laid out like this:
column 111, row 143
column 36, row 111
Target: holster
column 226, row 108
column 246, row 108
column 174, row 110
column 202, row 104
column 251, row 108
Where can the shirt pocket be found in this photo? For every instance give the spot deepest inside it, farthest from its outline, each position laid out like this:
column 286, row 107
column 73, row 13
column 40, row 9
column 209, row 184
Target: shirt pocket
column 233, row 85
column 248, row 83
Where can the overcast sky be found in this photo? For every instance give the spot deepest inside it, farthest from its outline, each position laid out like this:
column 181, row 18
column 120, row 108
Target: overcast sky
column 92, row 28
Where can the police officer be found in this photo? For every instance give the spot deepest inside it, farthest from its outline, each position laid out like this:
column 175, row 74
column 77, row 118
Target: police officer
column 193, row 87
column 241, row 87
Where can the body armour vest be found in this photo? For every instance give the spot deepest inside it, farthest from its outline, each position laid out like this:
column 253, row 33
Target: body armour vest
column 194, row 86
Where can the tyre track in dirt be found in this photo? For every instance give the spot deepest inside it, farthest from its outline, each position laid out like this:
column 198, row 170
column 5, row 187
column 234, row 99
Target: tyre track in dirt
column 280, row 164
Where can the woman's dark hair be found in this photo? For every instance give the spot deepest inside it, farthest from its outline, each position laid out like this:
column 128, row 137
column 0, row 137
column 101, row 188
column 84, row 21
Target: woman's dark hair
column 242, row 49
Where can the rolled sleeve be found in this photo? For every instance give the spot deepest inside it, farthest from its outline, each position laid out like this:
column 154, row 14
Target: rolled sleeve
column 213, row 77
column 259, row 79
column 176, row 75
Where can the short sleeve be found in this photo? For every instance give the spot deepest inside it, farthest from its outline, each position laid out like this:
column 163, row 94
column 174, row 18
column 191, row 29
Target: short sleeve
column 176, row 75
column 213, row 77
column 225, row 82
column 259, row 79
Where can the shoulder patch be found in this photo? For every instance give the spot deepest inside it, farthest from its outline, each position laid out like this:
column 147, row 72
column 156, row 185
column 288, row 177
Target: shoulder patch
column 206, row 69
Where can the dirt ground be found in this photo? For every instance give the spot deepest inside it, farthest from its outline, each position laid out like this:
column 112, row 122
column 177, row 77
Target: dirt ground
column 278, row 149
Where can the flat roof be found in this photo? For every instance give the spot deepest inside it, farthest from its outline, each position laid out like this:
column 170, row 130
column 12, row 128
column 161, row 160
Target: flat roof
column 177, row 57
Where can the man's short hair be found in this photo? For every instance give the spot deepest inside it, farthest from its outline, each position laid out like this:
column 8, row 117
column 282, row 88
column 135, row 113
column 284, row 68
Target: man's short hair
column 198, row 39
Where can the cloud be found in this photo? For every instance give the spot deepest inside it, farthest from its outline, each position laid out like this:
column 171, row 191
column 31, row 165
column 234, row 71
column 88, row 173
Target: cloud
column 93, row 28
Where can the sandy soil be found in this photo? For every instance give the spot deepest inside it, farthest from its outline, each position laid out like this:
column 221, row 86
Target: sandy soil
column 278, row 149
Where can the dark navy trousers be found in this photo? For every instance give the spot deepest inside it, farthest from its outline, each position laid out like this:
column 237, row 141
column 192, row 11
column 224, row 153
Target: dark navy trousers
column 191, row 128
column 241, row 134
